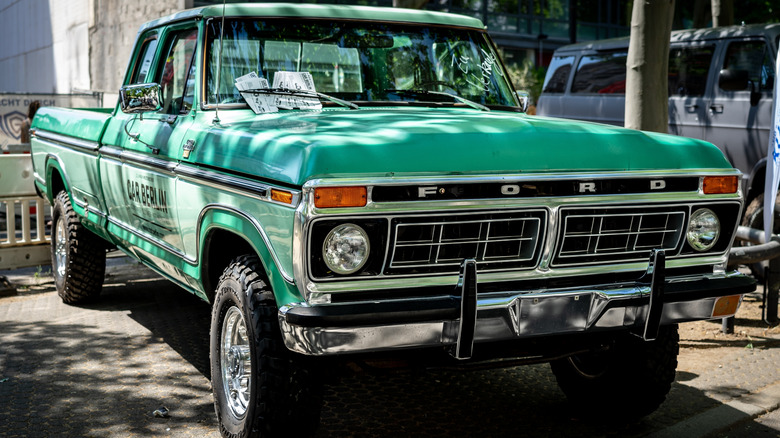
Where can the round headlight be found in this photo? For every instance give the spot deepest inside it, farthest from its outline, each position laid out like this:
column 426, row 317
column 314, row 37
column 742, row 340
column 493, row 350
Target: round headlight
column 703, row 230
column 345, row 249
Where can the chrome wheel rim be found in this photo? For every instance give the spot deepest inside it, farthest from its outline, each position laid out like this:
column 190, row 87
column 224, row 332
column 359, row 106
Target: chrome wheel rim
column 235, row 362
column 60, row 248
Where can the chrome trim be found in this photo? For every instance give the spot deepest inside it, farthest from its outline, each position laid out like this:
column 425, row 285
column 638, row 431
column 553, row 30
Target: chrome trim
column 195, row 261
column 287, row 277
column 187, row 172
column 426, row 280
column 218, row 181
column 513, row 316
column 307, row 213
column 66, row 140
column 39, row 178
column 89, row 209
column 159, row 243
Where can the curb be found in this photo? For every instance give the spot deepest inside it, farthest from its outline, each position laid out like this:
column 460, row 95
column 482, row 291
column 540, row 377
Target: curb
column 727, row 415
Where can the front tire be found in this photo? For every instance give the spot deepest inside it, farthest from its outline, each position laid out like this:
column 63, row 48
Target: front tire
column 78, row 256
column 628, row 380
column 260, row 387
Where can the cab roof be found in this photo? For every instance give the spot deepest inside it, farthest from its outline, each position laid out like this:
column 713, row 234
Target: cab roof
column 297, row 10
column 771, row 31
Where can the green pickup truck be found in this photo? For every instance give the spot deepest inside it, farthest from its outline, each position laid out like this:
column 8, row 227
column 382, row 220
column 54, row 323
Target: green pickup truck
column 343, row 182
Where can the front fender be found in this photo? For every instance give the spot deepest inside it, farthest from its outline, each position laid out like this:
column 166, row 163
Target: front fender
column 220, row 217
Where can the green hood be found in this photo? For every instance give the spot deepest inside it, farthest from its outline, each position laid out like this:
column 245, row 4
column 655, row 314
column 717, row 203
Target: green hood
column 292, row 147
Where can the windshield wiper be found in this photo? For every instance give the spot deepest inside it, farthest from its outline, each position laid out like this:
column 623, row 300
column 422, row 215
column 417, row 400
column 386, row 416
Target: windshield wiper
column 460, row 99
column 301, row 93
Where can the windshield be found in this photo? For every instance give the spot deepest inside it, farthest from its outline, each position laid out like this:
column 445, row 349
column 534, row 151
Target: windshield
column 359, row 61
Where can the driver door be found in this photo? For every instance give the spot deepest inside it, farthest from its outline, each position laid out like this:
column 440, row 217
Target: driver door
column 142, row 149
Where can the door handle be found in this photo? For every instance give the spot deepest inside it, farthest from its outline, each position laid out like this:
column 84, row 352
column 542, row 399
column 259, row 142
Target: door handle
column 716, row 108
column 691, row 108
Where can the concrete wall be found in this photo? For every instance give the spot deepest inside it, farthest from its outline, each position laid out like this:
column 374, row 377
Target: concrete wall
column 113, row 34
column 73, row 46
column 26, row 47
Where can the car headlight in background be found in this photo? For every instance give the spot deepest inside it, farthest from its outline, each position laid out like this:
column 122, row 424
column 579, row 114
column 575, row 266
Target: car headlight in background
column 703, row 229
column 345, row 249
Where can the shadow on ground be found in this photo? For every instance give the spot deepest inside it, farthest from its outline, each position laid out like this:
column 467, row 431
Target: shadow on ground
column 92, row 371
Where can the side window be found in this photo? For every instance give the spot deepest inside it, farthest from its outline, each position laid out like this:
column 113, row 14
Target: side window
column 601, row 73
column 144, row 63
column 177, row 70
column 688, row 69
column 754, row 58
column 558, row 74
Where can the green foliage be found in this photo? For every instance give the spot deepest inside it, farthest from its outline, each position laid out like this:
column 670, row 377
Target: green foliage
column 527, row 77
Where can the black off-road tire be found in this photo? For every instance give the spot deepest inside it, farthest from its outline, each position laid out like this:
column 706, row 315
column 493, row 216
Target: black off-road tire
column 283, row 394
column 628, row 381
column 78, row 256
column 754, row 218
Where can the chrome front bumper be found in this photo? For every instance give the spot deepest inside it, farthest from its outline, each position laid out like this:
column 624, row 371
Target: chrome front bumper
column 459, row 322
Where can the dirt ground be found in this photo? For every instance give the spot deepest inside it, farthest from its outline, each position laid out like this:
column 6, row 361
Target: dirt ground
column 703, row 343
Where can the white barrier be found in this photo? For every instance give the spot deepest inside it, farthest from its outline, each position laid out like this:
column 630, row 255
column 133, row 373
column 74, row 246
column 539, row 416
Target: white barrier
column 24, row 236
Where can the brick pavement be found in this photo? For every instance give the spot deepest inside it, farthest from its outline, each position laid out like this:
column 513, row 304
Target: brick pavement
column 101, row 370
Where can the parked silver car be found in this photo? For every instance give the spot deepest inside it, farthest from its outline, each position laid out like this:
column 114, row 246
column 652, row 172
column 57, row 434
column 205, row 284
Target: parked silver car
column 720, row 90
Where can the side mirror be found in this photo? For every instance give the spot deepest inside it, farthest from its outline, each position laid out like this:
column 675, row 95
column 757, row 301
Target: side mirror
column 525, row 100
column 734, row 80
column 140, row 98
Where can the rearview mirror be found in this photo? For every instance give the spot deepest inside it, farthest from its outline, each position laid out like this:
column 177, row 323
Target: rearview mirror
column 140, row 98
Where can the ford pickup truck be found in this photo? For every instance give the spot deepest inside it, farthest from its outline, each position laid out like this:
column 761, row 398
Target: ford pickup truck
column 342, row 182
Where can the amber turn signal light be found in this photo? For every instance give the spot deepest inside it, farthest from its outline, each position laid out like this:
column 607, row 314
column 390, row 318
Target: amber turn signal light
column 714, row 185
column 281, row 196
column 328, row 197
column 726, row 306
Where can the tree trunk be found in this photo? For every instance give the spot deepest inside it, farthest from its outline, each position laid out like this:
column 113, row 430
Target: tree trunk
column 647, row 66
column 722, row 13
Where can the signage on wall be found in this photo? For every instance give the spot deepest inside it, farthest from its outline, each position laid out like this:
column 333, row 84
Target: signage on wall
column 13, row 110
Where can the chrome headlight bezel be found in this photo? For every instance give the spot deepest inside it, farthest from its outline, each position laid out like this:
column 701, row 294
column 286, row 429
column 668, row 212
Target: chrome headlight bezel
column 704, row 230
column 339, row 240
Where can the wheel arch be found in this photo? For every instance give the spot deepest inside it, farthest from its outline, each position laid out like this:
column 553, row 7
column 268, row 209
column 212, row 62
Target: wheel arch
column 227, row 233
column 56, row 179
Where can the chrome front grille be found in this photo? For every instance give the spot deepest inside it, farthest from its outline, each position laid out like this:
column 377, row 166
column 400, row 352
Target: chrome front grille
column 590, row 236
column 440, row 244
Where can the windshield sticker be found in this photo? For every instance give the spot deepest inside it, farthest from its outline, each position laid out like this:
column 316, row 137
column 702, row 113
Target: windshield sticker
column 260, row 103
column 296, row 80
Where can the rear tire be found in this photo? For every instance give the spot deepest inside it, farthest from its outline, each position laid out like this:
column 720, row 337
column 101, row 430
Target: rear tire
column 260, row 387
column 78, row 256
column 629, row 380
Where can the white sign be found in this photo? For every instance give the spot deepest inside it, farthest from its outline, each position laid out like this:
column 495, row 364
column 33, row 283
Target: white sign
column 260, row 103
column 773, row 160
column 296, row 80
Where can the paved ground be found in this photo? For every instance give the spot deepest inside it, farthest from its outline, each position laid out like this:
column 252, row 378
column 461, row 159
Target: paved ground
column 103, row 369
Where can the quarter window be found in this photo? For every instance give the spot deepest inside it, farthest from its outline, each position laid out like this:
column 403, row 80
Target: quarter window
column 558, row 74
column 141, row 71
column 601, row 74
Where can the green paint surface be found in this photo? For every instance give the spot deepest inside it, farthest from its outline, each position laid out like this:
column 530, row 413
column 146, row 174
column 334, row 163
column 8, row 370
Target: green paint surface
column 292, row 147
